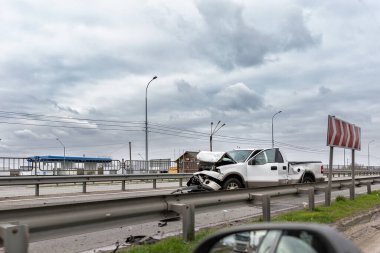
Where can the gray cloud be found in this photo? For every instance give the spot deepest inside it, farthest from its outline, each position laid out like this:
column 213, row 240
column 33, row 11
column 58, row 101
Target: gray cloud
column 62, row 108
column 238, row 97
column 323, row 90
column 230, row 42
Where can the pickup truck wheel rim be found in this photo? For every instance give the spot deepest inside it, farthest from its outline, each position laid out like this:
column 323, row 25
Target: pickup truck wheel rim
column 232, row 186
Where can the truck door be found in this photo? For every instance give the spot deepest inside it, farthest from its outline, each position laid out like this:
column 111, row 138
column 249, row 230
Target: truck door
column 264, row 169
column 282, row 167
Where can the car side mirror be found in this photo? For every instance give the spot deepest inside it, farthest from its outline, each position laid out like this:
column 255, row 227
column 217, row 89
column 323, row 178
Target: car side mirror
column 252, row 162
column 277, row 237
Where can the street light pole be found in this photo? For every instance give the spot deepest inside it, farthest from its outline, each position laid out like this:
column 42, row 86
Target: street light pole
column 64, row 153
column 216, row 129
column 146, row 118
column 368, row 151
column 272, row 126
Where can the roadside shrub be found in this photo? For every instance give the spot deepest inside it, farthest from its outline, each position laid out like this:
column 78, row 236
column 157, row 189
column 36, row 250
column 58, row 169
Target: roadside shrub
column 340, row 198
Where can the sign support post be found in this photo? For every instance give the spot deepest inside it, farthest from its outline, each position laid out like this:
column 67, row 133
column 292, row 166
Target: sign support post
column 328, row 202
column 352, row 189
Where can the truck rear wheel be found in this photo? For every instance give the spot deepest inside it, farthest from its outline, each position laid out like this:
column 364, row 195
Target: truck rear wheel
column 232, row 184
column 307, row 179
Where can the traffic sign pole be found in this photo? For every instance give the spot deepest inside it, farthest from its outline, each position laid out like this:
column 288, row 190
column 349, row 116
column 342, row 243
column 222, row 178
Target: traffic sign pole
column 328, row 200
column 352, row 189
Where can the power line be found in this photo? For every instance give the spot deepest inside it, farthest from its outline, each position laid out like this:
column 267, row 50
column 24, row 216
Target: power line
column 154, row 128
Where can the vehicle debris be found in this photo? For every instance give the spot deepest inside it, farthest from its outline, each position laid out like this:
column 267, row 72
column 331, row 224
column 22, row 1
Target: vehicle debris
column 140, row 239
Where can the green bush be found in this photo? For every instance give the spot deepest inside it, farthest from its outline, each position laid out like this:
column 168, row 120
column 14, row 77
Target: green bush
column 340, row 198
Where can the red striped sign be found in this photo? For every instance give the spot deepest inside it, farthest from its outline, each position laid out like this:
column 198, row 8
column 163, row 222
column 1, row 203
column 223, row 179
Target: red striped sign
column 343, row 134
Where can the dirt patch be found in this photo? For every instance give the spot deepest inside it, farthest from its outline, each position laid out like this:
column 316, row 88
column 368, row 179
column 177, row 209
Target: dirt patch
column 363, row 230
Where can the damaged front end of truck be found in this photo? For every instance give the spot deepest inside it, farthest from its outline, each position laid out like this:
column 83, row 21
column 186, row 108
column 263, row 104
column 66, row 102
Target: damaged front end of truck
column 209, row 177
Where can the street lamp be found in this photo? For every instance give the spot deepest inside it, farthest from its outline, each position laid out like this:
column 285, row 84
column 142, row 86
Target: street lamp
column 212, row 132
column 368, row 151
column 146, row 118
column 64, row 153
column 272, row 126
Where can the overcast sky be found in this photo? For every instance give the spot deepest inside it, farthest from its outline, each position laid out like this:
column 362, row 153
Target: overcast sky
column 78, row 71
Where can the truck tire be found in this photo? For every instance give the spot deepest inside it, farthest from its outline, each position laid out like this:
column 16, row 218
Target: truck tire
column 307, row 179
column 232, row 184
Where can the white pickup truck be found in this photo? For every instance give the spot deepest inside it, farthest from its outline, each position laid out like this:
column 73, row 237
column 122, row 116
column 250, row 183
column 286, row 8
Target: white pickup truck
column 251, row 168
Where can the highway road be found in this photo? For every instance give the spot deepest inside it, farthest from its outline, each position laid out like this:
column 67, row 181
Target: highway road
column 23, row 196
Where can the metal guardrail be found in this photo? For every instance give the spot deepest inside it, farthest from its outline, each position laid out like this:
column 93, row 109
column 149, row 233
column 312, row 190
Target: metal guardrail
column 85, row 179
column 14, row 166
column 346, row 172
column 18, row 166
column 44, row 222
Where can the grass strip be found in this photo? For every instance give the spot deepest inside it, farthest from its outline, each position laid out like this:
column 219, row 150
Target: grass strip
column 341, row 208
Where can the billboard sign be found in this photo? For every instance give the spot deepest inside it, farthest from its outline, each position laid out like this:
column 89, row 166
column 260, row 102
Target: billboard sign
column 343, row 134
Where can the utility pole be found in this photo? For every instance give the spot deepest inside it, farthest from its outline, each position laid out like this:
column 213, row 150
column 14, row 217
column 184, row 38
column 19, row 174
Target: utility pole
column 272, row 126
column 146, row 118
column 64, row 153
column 368, row 151
column 214, row 131
column 344, row 158
column 130, row 157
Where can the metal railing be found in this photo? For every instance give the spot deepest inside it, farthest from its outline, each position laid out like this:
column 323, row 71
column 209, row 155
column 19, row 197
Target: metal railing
column 20, row 166
column 146, row 177
column 85, row 179
column 44, row 222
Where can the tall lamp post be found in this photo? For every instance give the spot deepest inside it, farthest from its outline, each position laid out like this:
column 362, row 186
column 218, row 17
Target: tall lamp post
column 272, row 126
column 146, row 118
column 64, row 153
column 368, row 151
column 214, row 131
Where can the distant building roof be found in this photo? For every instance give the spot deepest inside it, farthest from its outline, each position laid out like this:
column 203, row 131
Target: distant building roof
column 77, row 159
column 190, row 153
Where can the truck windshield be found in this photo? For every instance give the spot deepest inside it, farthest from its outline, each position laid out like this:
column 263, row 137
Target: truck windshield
column 239, row 155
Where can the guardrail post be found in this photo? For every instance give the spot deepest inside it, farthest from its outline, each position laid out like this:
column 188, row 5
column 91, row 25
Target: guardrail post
column 123, row 185
column 327, row 197
column 368, row 184
column 37, row 190
column 154, row 183
column 14, row 238
column 84, row 187
column 266, row 207
column 352, row 192
column 265, row 202
column 310, row 193
column 180, row 182
column 188, row 219
column 311, row 200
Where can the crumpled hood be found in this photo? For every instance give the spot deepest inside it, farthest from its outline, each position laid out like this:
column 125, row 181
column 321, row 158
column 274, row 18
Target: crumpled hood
column 212, row 157
column 209, row 156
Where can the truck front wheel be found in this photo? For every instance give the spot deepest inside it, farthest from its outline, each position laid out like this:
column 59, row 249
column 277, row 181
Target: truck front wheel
column 232, row 184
